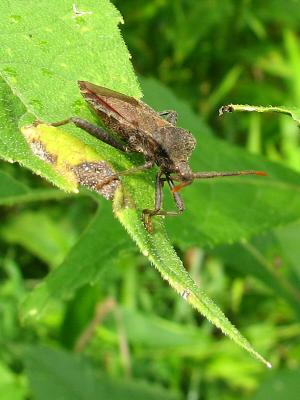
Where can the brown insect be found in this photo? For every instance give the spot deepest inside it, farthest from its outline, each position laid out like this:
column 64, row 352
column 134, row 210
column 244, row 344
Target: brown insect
column 137, row 128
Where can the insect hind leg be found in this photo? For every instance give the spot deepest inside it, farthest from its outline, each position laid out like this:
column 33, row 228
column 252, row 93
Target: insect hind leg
column 93, row 130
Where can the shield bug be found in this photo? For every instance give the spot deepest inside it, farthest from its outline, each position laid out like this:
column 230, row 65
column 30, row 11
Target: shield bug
column 137, row 128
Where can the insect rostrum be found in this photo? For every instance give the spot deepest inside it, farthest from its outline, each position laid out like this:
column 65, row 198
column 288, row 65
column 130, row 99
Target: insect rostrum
column 140, row 129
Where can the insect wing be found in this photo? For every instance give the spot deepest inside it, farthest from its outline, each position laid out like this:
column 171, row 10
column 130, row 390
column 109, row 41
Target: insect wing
column 126, row 110
column 101, row 91
column 109, row 102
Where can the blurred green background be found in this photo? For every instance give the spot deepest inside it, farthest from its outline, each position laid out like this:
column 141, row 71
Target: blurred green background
column 130, row 335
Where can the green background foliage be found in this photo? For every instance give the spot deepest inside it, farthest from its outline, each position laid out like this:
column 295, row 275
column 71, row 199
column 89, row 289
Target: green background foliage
column 72, row 281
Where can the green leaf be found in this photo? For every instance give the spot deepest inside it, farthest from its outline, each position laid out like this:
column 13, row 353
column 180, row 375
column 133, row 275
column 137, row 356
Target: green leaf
column 25, row 229
column 293, row 112
column 159, row 335
column 259, row 258
column 56, row 374
column 10, row 187
column 46, row 50
column 13, row 192
column 79, row 313
column 287, row 238
column 13, row 146
column 157, row 248
column 282, row 384
column 36, row 195
column 12, row 386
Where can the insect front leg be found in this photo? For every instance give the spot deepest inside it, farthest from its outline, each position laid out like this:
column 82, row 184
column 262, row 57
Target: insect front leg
column 170, row 115
column 148, row 214
column 177, row 198
column 93, row 130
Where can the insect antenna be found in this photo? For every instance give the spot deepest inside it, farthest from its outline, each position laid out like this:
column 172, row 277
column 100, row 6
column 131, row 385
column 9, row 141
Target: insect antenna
column 216, row 174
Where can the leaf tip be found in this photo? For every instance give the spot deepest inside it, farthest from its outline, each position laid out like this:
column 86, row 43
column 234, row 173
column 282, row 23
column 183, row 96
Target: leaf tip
column 263, row 360
column 269, row 365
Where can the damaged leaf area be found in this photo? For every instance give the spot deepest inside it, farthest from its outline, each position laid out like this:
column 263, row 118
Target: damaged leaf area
column 75, row 161
column 293, row 112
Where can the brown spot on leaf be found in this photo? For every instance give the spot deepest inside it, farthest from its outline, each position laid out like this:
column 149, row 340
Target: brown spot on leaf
column 39, row 150
column 91, row 174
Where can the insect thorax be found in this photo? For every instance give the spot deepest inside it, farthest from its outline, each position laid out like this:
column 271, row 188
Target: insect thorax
column 177, row 143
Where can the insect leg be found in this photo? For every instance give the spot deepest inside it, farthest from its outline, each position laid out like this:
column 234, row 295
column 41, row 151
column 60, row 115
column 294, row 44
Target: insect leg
column 147, row 165
column 93, row 130
column 148, row 214
column 171, row 116
column 177, row 198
